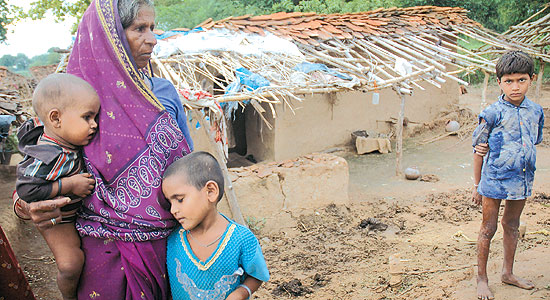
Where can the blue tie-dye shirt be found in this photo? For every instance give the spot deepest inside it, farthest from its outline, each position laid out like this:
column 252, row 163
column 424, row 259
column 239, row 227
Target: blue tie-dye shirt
column 512, row 133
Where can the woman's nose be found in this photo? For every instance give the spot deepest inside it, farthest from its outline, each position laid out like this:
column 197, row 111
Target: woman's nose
column 150, row 38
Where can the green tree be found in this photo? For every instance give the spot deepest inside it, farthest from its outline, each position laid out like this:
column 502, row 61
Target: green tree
column 60, row 9
column 49, row 58
column 19, row 62
column 175, row 14
column 498, row 15
column 4, row 19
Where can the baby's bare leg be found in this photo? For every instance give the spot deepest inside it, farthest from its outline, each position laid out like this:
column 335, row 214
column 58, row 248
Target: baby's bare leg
column 486, row 233
column 510, row 224
column 64, row 242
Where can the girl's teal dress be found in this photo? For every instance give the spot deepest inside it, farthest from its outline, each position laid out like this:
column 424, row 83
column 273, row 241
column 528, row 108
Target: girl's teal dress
column 238, row 254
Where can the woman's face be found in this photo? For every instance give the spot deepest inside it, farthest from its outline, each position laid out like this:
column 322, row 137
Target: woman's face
column 140, row 36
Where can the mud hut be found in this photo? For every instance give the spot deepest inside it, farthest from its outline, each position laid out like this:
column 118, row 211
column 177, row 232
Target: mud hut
column 352, row 72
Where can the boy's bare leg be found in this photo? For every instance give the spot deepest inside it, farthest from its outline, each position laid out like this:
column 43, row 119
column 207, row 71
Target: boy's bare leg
column 486, row 233
column 64, row 242
column 510, row 224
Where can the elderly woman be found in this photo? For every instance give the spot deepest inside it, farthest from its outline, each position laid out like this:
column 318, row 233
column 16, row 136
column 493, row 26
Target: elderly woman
column 142, row 129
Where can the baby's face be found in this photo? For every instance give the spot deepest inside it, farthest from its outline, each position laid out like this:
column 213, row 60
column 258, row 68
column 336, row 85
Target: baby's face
column 78, row 119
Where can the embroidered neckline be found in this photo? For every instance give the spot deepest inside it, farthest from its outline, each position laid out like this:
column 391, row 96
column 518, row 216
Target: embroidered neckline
column 209, row 262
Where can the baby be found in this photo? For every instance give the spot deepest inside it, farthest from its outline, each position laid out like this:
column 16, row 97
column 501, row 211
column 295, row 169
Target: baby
column 66, row 107
column 209, row 256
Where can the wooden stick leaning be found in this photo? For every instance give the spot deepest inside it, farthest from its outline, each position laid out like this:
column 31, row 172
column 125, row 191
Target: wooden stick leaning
column 399, row 144
column 229, row 191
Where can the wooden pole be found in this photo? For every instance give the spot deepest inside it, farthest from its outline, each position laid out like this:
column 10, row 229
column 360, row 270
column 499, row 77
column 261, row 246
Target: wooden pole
column 229, row 191
column 539, row 80
column 484, row 92
column 399, row 144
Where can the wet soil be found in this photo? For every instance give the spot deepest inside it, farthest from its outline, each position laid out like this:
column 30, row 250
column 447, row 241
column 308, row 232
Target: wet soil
column 342, row 252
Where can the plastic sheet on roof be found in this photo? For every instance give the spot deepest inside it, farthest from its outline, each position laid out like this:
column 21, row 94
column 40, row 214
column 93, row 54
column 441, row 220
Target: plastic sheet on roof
column 225, row 40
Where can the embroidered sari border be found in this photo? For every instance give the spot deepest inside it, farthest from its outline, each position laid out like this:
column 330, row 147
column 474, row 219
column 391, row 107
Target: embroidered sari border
column 105, row 11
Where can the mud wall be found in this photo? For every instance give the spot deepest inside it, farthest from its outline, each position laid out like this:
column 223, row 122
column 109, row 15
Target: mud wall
column 272, row 192
column 324, row 121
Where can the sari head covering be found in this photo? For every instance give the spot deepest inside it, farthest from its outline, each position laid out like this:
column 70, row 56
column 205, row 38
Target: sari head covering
column 136, row 141
column 125, row 220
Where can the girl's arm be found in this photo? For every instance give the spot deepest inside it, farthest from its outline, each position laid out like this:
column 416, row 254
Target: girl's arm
column 241, row 293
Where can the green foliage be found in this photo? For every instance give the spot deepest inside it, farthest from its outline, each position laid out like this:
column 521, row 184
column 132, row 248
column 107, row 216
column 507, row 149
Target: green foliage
column 493, row 14
column 49, row 58
column 331, row 6
column 11, row 143
column 176, row 14
column 60, row 9
column 255, row 224
column 20, row 63
column 4, row 19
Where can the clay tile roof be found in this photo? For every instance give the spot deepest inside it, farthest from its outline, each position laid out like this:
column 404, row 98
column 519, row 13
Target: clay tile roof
column 310, row 28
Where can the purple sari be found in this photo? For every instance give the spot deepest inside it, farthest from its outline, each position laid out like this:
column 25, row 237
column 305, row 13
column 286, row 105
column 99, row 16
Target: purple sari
column 125, row 221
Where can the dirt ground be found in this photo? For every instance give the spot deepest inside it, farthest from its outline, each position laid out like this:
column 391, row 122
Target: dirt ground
column 341, row 252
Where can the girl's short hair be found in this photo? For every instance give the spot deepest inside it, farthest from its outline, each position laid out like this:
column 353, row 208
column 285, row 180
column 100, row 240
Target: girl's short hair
column 197, row 169
column 514, row 62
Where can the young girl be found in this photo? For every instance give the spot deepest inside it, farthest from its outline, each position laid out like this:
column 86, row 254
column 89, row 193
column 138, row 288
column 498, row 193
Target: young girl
column 209, row 256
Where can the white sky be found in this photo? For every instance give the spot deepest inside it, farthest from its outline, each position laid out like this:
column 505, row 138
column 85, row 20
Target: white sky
column 36, row 37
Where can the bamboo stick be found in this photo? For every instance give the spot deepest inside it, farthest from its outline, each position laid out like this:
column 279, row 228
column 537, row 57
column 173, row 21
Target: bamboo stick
column 399, row 144
column 229, row 191
column 484, row 92
column 539, row 80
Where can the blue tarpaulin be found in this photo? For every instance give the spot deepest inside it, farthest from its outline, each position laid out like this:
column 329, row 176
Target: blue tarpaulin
column 5, row 123
column 307, row 67
column 170, row 33
column 247, row 79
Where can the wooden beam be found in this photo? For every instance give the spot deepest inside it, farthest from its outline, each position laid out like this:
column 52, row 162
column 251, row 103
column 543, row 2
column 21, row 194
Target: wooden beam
column 229, row 191
column 484, row 92
column 399, row 144
column 539, row 80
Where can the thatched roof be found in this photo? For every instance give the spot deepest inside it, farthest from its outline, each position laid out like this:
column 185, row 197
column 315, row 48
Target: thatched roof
column 403, row 48
column 531, row 36
column 533, row 31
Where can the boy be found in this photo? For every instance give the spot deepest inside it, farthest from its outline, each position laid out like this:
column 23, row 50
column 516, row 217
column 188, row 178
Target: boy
column 209, row 256
column 66, row 107
column 511, row 127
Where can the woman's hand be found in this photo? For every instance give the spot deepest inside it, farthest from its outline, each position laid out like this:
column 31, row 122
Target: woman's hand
column 481, row 149
column 45, row 214
column 81, row 185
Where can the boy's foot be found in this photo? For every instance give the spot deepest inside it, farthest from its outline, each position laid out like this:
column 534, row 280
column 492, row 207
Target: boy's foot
column 483, row 291
column 517, row 281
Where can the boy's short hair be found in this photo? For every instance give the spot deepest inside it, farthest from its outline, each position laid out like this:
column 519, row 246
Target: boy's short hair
column 198, row 168
column 55, row 91
column 515, row 62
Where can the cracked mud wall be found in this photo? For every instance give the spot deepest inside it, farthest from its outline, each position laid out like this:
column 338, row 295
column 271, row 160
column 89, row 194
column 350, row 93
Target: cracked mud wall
column 275, row 191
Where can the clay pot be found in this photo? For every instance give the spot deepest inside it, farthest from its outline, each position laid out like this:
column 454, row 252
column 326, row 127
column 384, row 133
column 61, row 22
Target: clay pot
column 452, row 126
column 412, row 173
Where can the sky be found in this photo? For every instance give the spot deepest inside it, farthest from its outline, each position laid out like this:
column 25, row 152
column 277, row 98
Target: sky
column 36, row 37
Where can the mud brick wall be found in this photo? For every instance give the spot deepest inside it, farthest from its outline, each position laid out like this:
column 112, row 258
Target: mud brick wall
column 275, row 191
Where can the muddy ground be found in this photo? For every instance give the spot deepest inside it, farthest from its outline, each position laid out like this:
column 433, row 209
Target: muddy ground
column 337, row 252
